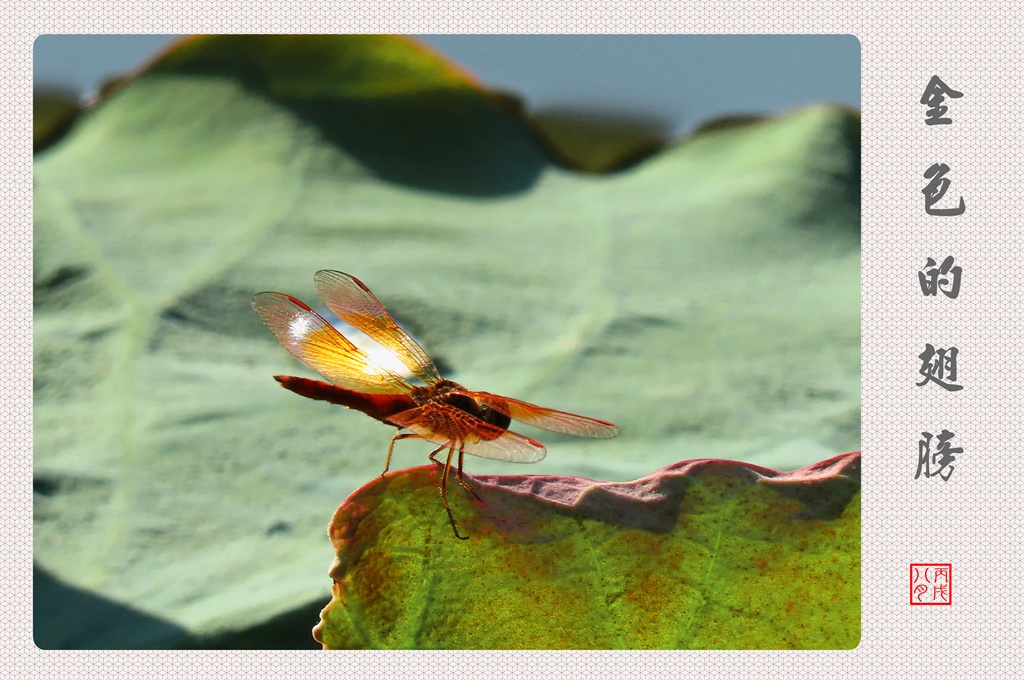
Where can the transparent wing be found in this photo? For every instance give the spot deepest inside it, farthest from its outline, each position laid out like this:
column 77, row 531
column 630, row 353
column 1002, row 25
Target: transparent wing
column 320, row 346
column 346, row 296
column 446, row 426
column 546, row 418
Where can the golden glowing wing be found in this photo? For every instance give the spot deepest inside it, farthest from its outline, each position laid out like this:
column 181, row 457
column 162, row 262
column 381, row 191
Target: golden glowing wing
column 346, row 296
column 320, row 346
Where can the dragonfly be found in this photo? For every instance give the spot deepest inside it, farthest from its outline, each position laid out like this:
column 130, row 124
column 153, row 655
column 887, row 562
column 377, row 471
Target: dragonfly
column 439, row 411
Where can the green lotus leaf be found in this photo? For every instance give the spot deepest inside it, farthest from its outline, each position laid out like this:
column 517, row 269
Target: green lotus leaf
column 704, row 554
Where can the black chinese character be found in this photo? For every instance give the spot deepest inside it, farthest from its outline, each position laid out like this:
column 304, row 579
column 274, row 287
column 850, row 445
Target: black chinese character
column 939, row 366
column 936, row 189
column 943, row 457
column 934, row 95
column 931, row 284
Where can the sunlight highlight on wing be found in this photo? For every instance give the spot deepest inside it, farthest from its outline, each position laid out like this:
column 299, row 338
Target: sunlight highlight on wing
column 381, row 356
column 317, row 344
column 352, row 301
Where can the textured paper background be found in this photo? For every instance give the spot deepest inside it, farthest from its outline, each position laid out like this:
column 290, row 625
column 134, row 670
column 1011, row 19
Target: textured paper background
column 970, row 521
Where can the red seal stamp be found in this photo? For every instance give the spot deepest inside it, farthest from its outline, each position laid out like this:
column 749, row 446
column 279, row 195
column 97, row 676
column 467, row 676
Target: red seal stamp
column 931, row 584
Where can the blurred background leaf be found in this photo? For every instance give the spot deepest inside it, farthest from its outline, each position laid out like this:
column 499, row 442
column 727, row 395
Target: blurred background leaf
column 53, row 112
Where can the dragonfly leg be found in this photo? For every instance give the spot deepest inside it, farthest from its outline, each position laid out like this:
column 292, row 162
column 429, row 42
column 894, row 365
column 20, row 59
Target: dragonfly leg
column 444, row 492
column 463, row 482
column 436, row 451
column 391, row 447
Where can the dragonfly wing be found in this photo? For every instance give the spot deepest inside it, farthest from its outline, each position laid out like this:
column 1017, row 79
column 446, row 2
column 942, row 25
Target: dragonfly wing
column 320, row 346
column 346, row 296
column 446, row 425
column 546, row 418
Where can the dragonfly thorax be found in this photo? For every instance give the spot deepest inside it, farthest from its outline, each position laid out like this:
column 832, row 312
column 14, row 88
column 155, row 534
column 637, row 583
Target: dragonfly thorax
column 454, row 394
